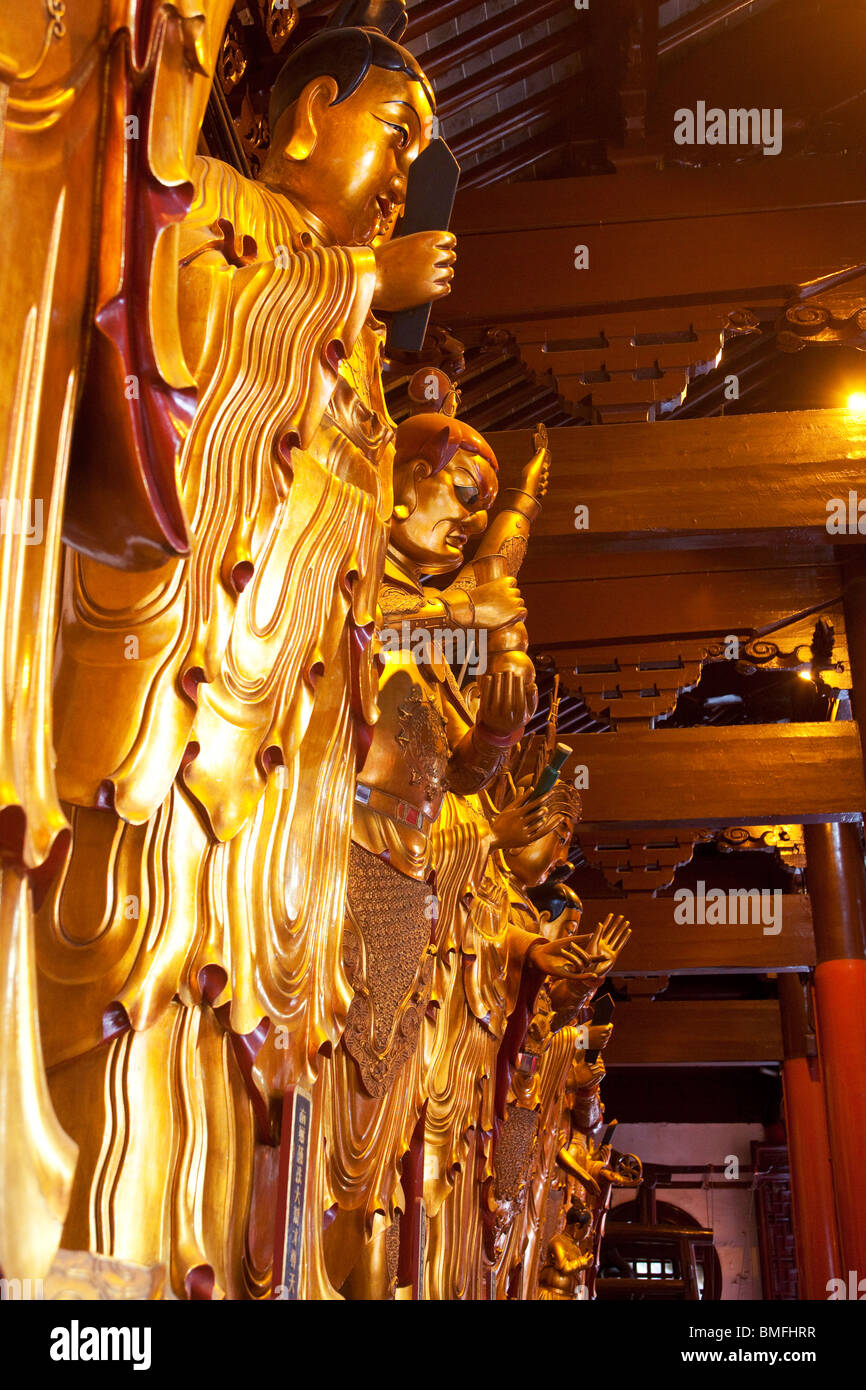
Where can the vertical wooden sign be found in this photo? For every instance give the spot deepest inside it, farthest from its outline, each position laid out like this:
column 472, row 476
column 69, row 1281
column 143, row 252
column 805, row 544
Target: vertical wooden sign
column 292, row 1190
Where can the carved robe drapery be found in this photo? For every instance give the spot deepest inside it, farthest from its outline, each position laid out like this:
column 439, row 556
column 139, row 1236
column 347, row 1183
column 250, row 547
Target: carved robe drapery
column 207, row 716
column 544, row 1213
column 485, row 931
column 69, row 83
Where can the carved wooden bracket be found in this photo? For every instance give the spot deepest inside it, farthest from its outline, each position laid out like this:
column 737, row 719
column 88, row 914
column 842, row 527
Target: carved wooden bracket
column 640, row 862
column 636, row 685
column 638, row 688
column 839, row 319
column 785, row 841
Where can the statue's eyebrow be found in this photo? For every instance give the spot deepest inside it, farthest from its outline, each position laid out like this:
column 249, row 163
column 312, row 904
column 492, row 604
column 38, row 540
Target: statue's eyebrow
column 471, row 467
column 398, row 101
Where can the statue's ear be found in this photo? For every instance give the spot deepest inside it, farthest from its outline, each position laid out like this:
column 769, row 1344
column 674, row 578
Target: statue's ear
column 306, row 116
column 406, row 496
column 471, row 696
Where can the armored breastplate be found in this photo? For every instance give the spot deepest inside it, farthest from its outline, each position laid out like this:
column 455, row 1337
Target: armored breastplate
column 423, row 739
column 387, row 957
column 514, row 1156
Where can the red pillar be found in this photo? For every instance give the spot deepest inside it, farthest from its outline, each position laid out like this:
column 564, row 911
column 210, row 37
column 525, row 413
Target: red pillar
column 808, row 1147
column 837, row 889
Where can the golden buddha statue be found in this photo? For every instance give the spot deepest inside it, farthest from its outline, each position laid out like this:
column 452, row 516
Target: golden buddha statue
column 100, row 112
column 242, row 915
column 482, row 946
column 211, row 799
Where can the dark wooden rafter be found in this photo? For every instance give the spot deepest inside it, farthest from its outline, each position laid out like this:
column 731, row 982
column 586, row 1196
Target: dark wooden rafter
column 517, row 158
column 772, row 774
column 474, row 42
column 428, row 15
column 689, row 1032
column 729, row 480
column 526, row 62
column 497, row 389
column 477, row 136
column 697, row 26
column 659, row 945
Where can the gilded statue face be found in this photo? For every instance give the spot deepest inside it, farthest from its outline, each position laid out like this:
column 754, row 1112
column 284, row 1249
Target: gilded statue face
column 534, row 863
column 568, row 921
column 349, row 163
column 446, row 509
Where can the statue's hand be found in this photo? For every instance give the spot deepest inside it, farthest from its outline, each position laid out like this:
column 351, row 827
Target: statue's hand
column 562, row 959
column 537, row 471
column 414, row 269
column 585, row 1074
column 599, row 1035
column 498, row 603
column 506, row 704
column 524, row 821
column 565, row 1255
column 608, row 940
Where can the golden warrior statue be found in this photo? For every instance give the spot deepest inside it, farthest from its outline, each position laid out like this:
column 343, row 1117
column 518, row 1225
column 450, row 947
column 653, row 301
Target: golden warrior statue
column 427, row 741
column 482, row 946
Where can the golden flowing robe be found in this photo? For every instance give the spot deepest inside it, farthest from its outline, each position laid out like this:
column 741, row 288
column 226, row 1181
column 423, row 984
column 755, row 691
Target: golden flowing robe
column 206, row 737
column 68, row 82
column 484, row 934
column 544, row 1213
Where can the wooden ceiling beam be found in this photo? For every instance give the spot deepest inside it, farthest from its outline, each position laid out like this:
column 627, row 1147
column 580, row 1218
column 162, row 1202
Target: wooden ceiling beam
column 660, row 324
column 714, row 777
column 434, row 13
column 733, row 238
column 728, row 479
column 506, row 277
column 667, row 607
column 546, row 142
column 692, row 1033
column 652, row 195
column 634, row 565
column 692, row 28
column 659, row 945
column 625, row 356
column 478, row 135
column 522, row 395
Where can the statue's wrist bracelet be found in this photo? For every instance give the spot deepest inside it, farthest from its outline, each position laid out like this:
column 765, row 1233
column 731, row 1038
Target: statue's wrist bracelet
column 499, row 740
column 514, row 499
column 462, row 614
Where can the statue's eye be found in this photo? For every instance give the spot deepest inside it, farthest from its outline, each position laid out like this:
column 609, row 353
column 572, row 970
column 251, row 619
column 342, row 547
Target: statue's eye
column 400, row 130
column 467, row 495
